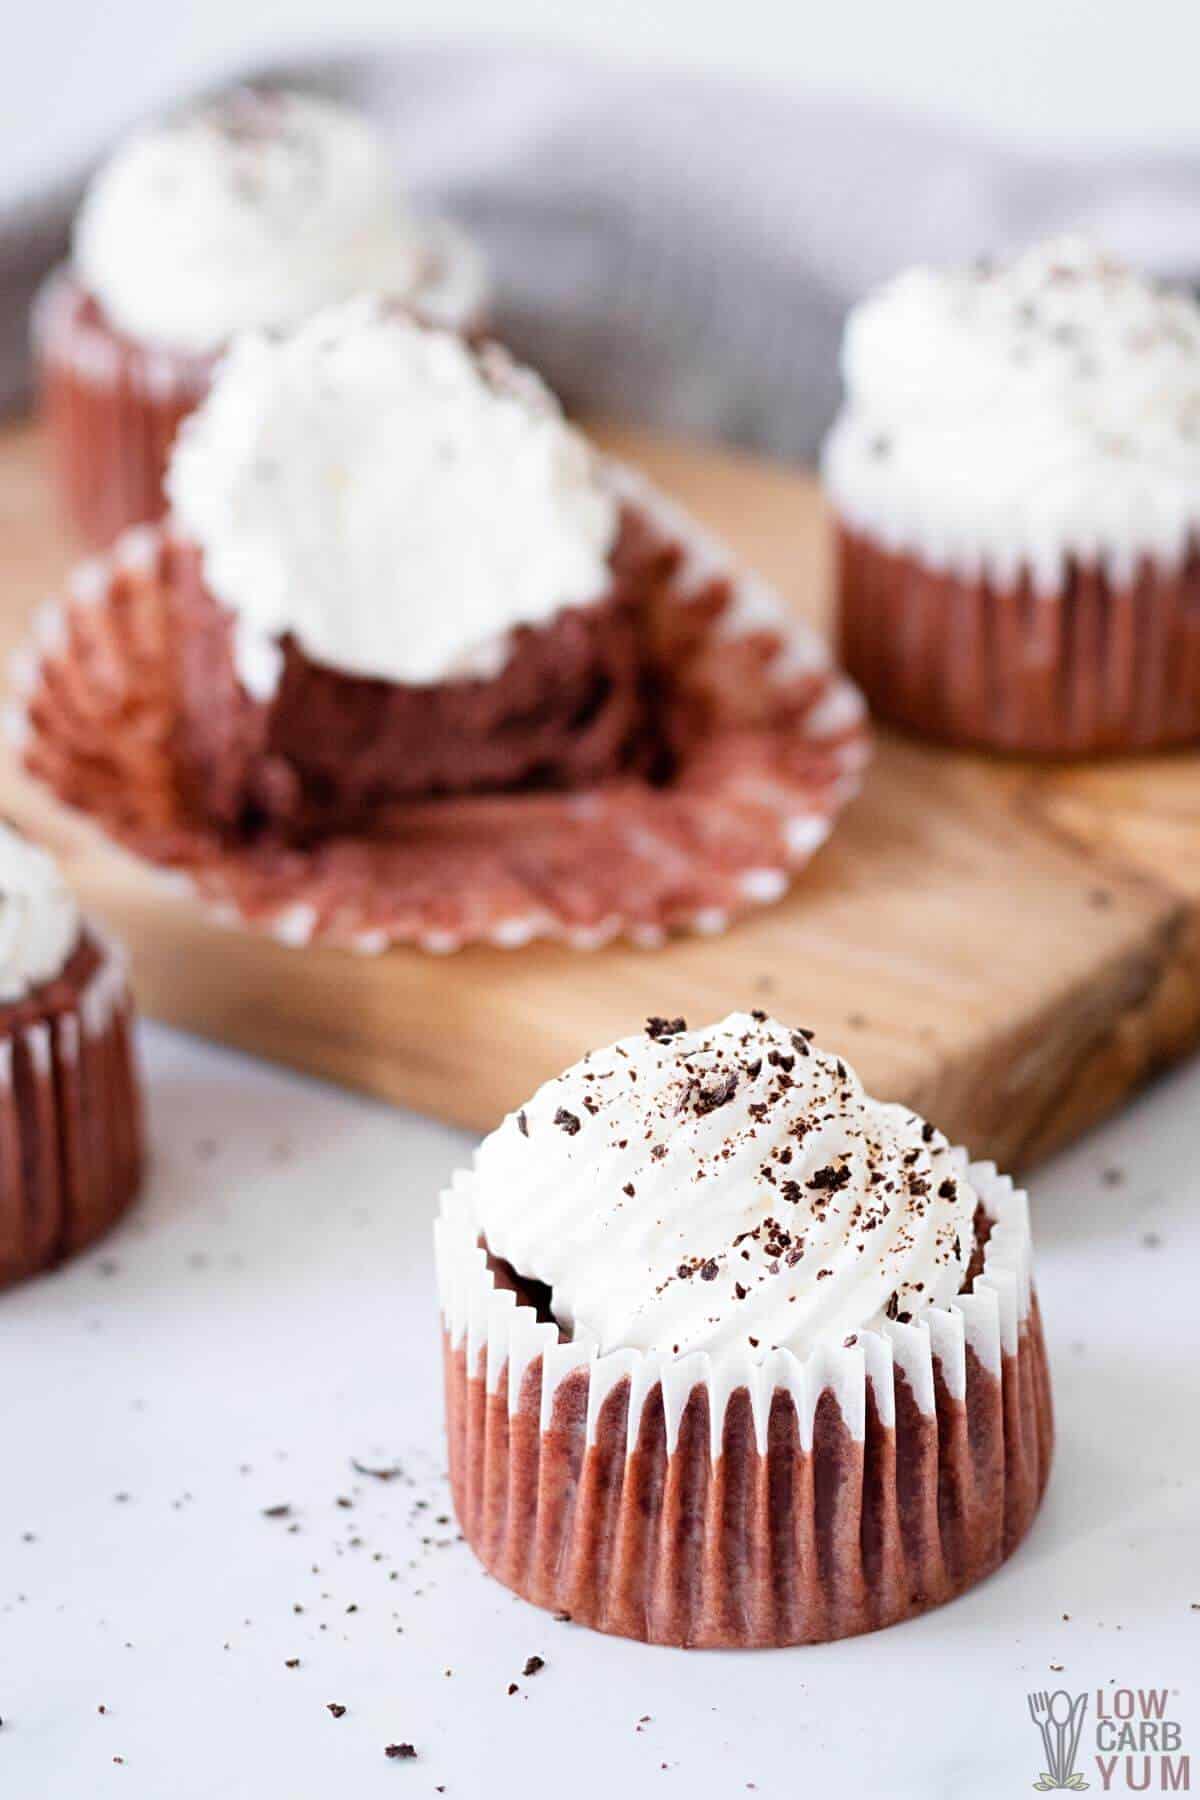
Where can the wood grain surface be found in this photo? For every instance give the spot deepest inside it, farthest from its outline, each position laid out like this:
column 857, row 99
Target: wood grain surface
column 1009, row 948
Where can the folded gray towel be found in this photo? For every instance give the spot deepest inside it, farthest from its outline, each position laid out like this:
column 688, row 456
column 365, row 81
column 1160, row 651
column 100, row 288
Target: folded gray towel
column 679, row 249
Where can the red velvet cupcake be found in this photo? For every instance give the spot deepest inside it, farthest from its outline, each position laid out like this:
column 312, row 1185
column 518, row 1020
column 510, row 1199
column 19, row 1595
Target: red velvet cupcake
column 736, row 1356
column 250, row 212
column 1015, row 479
column 398, row 577
column 70, row 1132
column 410, row 660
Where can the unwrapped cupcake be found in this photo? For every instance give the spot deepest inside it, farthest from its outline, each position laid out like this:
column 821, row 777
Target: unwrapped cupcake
column 70, row 1131
column 411, row 660
column 398, row 575
column 736, row 1355
column 1015, row 477
column 248, row 212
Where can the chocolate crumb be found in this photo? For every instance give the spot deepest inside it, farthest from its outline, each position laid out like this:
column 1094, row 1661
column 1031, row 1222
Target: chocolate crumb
column 563, row 1618
column 658, row 1028
column 533, row 1664
column 277, row 1512
column 293, row 1662
column 513, row 1688
column 829, row 1179
column 522, row 1123
column 718, row 1093
column 709, row 1270
column 567, row 1121
column 391, row 1472
column 337, row 1711
column 402, row 1752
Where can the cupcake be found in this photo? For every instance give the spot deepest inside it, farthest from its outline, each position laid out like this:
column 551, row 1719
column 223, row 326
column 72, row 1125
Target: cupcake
column 70, row 1134
column 735, row 1355
column 248, row 212
column 397, row 573
column 1015, row 478
column 409, row 660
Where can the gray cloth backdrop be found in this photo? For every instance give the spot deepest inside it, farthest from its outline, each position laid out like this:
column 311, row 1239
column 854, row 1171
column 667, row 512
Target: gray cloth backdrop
column 680, row 249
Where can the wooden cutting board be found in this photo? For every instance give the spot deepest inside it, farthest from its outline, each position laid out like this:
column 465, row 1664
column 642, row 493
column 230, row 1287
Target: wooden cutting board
column 1011, row 949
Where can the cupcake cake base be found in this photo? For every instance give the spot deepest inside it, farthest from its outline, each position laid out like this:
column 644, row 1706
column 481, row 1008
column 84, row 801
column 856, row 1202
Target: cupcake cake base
column 1100, row 667
column 766, row 743
column 730, row 1503
column 70, row 1128
column 328, row 749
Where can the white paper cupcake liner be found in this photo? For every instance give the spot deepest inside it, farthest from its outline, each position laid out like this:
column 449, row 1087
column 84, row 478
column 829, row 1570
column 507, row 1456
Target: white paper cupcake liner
column 746, row 1500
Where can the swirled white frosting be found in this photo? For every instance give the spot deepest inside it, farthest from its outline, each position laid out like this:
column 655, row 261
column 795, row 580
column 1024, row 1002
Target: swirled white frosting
column 394, row 500
column 39, row 920
column 735, row 1187
column 1017, row 414
column 250, row 212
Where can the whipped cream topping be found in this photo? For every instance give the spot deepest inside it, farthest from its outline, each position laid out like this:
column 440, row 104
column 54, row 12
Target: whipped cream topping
column 730, row 1188
column 251, row 211
column 1016, row 414
column 39, row 920
column 394, row 500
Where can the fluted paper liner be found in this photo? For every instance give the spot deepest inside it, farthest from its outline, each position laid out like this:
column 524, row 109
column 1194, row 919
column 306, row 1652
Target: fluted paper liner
column 70, row 1123
column 771, row 742
column 113, row 404
column 1109, row 663
column 724, row 1501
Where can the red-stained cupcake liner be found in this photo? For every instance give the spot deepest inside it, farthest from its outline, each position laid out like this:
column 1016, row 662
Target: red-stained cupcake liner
column 771, row 743
column 723, row 1502
column 1099, row 667
column 111, row 408
column 70, row 1117
column 112, row 405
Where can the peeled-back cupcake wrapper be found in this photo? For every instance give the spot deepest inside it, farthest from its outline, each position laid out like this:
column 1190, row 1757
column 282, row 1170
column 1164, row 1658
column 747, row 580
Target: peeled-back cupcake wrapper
column 70, row 1128
column 112, row 406
column 776, row 741
column 1110, row 662
column 737, row 1501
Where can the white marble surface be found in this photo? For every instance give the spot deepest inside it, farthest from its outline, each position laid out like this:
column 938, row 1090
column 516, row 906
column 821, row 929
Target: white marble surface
column 268, row 1315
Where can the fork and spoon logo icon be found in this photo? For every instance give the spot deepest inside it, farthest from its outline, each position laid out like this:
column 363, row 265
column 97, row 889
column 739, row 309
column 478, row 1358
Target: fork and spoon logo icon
column 1059, row 1718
